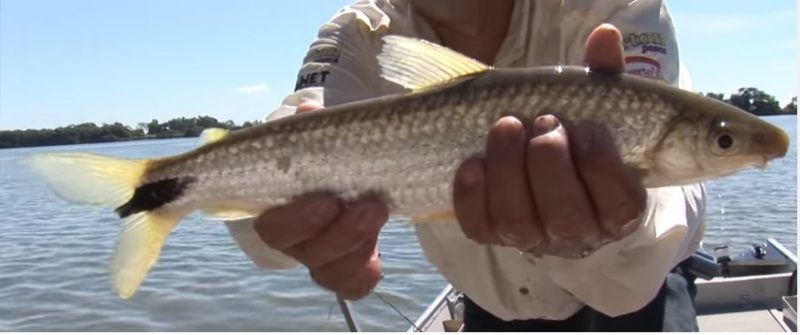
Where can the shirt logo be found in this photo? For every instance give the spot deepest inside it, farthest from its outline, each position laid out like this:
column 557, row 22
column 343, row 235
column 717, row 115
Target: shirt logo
column 645, row 67
column 647, row 42
column 311, row 79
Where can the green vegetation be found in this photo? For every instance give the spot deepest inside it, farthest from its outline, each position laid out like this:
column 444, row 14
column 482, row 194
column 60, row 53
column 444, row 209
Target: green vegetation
column 757, row 102
column 747, row 98
column 91, row 133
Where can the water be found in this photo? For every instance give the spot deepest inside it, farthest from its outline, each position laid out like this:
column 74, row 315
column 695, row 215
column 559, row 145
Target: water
column 53, row 259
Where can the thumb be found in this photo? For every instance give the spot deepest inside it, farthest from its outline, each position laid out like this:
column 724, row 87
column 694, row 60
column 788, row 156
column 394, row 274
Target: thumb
column 604, row 50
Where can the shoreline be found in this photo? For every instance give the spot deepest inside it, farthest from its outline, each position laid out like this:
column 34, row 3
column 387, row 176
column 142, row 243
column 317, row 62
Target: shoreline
column 100, row 142
column 155, row 137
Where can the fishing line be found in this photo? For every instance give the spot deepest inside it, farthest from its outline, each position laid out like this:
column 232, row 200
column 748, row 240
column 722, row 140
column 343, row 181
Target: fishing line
column 398, row 311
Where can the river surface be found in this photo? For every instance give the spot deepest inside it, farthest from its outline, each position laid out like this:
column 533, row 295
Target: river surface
column 54, row 255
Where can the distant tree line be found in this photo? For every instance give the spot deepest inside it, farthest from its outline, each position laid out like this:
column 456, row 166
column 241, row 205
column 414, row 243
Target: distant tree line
column 749, row 99
column 757, row 102
column 92, row 133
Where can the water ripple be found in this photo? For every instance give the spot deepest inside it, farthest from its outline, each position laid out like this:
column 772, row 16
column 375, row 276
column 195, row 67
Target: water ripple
column 54, row 277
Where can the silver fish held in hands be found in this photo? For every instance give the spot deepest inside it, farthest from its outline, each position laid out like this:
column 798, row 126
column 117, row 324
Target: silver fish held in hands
column 405, row 147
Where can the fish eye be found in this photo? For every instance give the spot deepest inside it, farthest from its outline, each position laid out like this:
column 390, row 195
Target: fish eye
column 724, row 141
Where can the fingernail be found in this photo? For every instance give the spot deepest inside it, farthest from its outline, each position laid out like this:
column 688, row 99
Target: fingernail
column 510, row 130
column 545, row 124
column 533, row 248
column 509, row 239
column 606, row 26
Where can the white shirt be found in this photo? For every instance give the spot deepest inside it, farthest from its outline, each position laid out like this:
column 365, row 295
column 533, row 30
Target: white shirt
column 619, row 278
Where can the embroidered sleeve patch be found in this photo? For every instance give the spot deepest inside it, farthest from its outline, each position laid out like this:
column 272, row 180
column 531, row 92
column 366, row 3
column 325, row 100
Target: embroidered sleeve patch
column 322, row 54
column 311, row 79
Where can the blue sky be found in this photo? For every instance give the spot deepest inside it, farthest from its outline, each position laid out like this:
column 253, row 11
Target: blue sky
column 72, row 61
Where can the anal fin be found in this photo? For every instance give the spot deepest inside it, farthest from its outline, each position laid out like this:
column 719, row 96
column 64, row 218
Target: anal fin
column 138, row 248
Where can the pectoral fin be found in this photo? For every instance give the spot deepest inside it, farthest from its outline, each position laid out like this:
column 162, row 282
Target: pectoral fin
column 230, row 213
column 211, row 135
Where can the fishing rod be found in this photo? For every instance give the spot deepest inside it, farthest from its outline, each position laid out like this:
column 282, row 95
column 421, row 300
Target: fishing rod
column 344, row 306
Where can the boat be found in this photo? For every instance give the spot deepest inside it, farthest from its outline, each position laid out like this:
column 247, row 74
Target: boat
column 755, row 291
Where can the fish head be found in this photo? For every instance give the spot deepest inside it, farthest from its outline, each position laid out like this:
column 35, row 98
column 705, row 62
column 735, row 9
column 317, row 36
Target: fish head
column 711, row 139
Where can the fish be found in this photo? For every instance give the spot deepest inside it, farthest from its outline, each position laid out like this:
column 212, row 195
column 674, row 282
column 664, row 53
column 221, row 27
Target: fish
column 405, row 147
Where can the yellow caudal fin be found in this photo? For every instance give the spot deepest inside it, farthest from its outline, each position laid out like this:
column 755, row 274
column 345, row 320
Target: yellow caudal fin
column 211, row 135
column 88, row 178
column 100, row 180
column 139, row 245
column 418, row 64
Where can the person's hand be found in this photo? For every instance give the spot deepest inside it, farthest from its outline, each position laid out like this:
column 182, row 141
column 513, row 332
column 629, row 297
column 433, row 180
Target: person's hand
column 544, row 192
column 336, row 241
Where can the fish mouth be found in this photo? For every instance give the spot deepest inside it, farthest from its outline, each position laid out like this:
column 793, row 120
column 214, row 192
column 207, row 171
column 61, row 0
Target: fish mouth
column 773, row 144
column 784, row 145
column 762, row 165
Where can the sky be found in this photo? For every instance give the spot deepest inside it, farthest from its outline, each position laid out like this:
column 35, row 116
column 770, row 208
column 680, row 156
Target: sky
column 70, row 61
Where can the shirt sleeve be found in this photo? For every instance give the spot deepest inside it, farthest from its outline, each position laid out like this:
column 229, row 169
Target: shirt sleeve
column 624, row 276
column 340, row 66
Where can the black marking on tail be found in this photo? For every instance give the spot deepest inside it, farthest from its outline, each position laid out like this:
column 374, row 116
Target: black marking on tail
column 153, row 195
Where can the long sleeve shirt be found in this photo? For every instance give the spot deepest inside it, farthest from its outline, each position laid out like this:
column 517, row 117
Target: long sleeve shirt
column 619, row 278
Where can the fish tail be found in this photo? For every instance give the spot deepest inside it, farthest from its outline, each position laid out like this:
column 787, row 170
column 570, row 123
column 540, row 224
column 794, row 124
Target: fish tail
column 138, row 248
column 115, row 182
column 89, row 179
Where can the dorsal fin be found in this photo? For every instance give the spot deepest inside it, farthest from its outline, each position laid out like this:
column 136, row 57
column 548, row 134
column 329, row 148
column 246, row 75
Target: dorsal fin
column 418, row 64
column 211, row 135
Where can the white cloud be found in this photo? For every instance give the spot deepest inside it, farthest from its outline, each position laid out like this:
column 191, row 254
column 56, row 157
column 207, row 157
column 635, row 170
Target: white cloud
column 783, row 67
column 258, row 88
